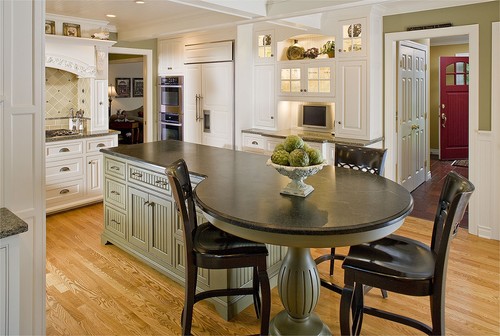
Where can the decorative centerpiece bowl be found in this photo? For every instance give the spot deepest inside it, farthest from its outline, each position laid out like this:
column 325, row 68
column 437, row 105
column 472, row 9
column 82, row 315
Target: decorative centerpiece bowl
column 297, row 187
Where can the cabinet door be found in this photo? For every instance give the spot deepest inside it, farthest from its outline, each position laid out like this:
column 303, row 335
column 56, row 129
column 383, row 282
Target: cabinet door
column 350, row 111
column 138, row 210
column 99, row 113
column 265, row 105
column 94, row 175
column 264, row 46
column 170, row 57
column 161, row 217
column 319, row 79
column 192, row 92
column 353, row 35
column 290, row 79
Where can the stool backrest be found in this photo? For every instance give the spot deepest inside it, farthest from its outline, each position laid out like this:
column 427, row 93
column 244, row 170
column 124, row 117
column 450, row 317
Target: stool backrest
column 366, row 159
column 178, row 177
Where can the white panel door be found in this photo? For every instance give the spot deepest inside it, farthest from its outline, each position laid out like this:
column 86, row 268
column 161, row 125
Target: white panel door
column 218, row 106
column 99, row 112
column 265, row 105
column 411, row 116
column 192, row 90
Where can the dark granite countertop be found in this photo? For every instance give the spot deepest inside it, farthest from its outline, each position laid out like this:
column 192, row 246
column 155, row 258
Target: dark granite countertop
column 10, row 224
column 239, row 187
column 82, row 136
column 311, row 136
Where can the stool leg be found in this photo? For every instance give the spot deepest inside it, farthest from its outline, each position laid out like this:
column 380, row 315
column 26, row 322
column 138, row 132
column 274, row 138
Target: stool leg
column 256, row 297
column 266, row 299
column 189, row 293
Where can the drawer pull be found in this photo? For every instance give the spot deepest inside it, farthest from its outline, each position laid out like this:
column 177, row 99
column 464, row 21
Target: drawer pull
column 64, row 169
column 115, row 192
column 255, row 142
column 101, row 145
column 62, row 150
column 114, row 168
column 163, row 183
column 64, row 191
column 115, row 221
column 137, row 174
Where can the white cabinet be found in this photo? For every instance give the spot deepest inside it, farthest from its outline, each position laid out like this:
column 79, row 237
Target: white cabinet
column 352, row 38
column 314, row 78
column 74, row 171
column 265, row 46
column 351, row 111
column 170, row 57
column 264, row 96
column 10, row 285
column 99, row 112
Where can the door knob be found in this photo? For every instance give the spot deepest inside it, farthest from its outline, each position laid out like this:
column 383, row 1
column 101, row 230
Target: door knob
column 443, row 117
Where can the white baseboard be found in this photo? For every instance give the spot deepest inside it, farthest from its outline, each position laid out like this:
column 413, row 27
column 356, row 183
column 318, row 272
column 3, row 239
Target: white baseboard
column 434, row 151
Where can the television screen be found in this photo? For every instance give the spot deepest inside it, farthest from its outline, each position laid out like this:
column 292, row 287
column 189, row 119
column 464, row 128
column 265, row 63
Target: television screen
column 314, row 116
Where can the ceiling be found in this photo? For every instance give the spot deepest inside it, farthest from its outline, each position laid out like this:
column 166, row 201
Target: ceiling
column 159, row 18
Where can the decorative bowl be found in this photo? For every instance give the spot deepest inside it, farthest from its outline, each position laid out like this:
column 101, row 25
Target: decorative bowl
column 297, row 187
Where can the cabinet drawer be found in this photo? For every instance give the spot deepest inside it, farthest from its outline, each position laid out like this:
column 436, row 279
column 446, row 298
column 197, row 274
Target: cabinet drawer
column 65, row 149
column 149, row 179
column 115, row 193
column 69, row 168
column 114, row 168
column 115, row 221
column 64, row 191
column 94, row 145
column 253, row 142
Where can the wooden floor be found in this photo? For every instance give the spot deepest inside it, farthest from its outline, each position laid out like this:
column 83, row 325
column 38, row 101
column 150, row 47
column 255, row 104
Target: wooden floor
column 426, row 196
column 100, row 290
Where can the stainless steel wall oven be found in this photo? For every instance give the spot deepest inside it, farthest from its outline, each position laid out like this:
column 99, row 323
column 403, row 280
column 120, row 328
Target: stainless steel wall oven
column 171, row 115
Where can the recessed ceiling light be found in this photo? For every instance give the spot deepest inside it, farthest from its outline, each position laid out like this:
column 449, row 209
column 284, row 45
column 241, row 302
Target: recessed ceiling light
column 111, row 15
column 139, row 1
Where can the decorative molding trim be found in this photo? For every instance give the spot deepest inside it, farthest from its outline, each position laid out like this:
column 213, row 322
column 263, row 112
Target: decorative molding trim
column 64, row 63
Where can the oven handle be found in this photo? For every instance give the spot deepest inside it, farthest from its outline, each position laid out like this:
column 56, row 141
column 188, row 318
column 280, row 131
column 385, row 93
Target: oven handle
column 169, row 86
column 170, row 124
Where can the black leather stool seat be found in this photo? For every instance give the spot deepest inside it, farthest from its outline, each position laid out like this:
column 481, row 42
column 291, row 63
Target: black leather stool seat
column 394, row 255
column 210, row 240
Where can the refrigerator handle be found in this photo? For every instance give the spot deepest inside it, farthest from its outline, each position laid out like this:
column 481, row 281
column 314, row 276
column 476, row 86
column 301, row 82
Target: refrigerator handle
column 197, row 108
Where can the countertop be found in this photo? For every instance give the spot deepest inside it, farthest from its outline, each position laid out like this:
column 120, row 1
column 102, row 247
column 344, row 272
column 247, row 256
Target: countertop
column 81, row 136
column 340, row 211
column 10, row 224
column 311, row 136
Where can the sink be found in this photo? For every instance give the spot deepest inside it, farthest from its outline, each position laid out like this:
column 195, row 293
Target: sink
column 60, row 132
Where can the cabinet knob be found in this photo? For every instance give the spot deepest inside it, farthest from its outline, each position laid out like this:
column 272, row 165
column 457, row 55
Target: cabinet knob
column 272, row 117
column 339, row 122
column 100, row 103
column 255, row 142
column 64, row 169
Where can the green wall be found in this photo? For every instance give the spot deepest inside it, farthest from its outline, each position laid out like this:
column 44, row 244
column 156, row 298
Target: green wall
column 482, row 14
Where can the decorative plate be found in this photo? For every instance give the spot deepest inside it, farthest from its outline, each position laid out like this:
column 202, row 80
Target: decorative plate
column 354, row 30
column 295, row 52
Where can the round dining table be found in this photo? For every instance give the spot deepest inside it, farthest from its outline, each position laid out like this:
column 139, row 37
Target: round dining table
column 346, row 207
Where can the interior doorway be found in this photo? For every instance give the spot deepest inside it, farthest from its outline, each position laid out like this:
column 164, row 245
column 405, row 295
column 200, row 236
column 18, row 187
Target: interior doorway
column 471, row 32
column 149, row 122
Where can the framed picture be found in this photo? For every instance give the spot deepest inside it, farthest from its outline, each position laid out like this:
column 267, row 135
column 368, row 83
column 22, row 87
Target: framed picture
column 50, row 27
column 123, row 87
column 71, row 29
column 137, row 87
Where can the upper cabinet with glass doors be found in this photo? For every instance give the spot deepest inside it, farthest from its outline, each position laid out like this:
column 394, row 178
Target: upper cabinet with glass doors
column 352, row 38
column 307, row 78
column 265, row 45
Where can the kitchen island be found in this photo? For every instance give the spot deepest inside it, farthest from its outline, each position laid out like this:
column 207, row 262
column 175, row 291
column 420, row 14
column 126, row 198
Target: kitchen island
column 140, row 216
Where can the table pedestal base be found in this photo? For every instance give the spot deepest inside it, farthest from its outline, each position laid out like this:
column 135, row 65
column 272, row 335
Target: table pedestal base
column 284, row 324
column 298, row 287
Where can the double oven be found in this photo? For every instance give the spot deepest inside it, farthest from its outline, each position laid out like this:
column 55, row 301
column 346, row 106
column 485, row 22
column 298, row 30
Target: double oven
column 171, row 116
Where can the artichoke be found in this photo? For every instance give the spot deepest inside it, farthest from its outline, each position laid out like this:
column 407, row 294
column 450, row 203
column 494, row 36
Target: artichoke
column 315, row 156
column 299, row 158
column 280, row 157
column 293, row 142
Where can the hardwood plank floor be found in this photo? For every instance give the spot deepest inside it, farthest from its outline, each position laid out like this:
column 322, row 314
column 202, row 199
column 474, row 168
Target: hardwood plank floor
column 426, row 196
column 100, row 290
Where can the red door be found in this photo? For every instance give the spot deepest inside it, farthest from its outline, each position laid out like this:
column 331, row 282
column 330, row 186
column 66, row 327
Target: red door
column 454, row 108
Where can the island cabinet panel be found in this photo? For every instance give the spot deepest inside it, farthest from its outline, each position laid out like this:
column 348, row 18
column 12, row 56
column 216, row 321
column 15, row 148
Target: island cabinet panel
column 141, row 218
